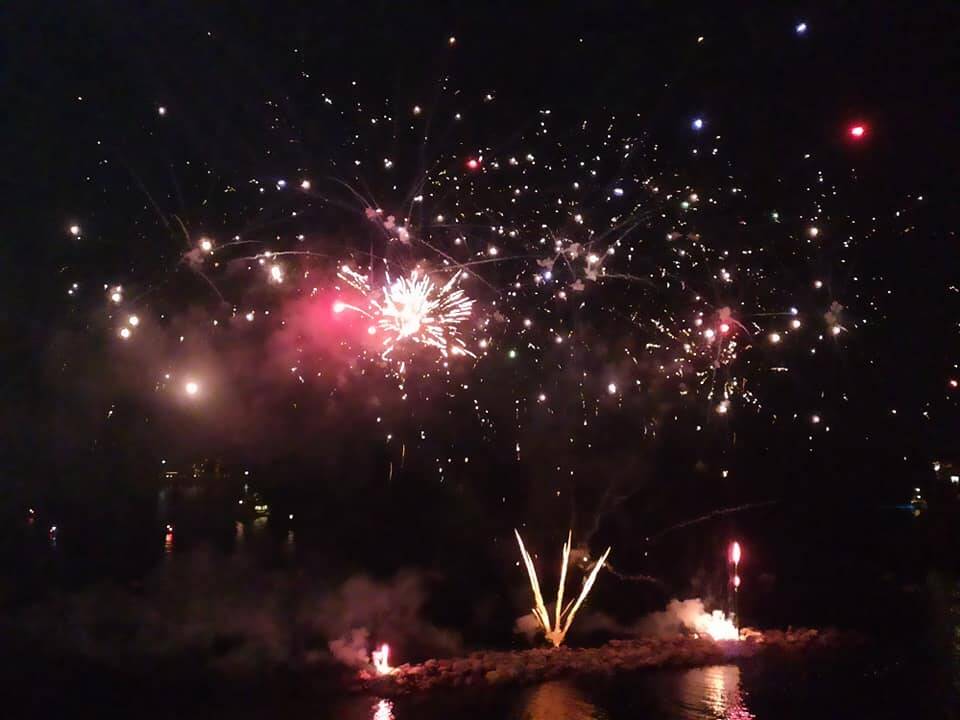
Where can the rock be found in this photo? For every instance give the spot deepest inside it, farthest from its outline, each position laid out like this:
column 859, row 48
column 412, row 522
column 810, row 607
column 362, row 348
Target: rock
column 538, row 664
column 493, row 677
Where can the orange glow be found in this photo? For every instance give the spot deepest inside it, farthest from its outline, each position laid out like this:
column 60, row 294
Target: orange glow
column 717, row 626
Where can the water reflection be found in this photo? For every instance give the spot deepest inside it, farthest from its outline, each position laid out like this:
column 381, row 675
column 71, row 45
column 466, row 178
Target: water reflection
column 713, row 692
column 367, row 708
column 383, row 710
column 558, row 701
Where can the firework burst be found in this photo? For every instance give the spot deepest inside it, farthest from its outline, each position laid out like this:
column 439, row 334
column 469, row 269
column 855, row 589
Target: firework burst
column 413, row 309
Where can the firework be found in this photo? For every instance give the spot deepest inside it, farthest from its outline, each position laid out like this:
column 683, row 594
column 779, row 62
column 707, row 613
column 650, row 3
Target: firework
column 623, row 296
column 381, row 660
column 413, row 309
column 564, row 616
column 735, row 553
column 717, row 625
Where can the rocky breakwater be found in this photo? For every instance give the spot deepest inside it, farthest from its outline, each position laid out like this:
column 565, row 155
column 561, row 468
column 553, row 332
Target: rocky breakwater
column 536, row 665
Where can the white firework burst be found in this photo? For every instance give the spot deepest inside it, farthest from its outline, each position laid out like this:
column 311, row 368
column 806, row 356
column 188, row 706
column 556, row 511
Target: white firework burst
column 413, row 309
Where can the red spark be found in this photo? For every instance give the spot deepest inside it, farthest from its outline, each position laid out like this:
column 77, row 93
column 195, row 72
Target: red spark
column 858, row 131
column 473, row 164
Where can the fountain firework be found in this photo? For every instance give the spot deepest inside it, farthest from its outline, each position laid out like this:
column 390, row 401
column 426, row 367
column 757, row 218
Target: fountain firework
column 564, row 615
column 381, row 660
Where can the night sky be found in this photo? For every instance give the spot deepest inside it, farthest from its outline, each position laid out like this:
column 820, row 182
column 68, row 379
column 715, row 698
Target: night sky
column 151, row 126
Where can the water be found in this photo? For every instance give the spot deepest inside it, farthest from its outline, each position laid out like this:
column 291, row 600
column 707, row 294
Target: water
column 911, row 613
column 719, row 692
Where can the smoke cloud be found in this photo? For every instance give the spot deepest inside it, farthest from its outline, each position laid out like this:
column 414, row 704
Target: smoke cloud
column 679, row 617
column 238, row 617
column 363, row 612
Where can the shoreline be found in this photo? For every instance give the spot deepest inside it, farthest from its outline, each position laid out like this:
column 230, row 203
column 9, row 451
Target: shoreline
column 521, row 667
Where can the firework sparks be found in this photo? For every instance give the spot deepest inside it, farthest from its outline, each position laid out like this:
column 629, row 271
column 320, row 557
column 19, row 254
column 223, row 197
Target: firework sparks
column 381, row 660
column 564, row 616
column 717, row 625
column 414, row 309
column 609, row 298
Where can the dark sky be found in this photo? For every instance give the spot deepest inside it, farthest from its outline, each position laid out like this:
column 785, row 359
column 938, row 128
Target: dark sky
column 240, row 79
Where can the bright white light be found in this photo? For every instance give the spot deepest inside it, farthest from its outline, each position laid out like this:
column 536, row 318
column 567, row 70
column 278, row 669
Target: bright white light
column 276, row 273
column 381, row 660
column 133, row 320
column 801, row 28
column 206, row 244
column 116, row 296
column 191, row 388
column 161, row 110
column 814, row 231
column 305, row 184
column 795, row 324
column 339, row 307
column 723, row 407
column 698, row 124
column 75, row 230
column 125, row 333
column 708, row 333
column 774, row 338
column 815, row 419
column 612, row 389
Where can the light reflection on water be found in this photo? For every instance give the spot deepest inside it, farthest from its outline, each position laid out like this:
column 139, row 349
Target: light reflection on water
column 708, row 693
column 712, row 692
column 383, row 710
column 558, row 701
